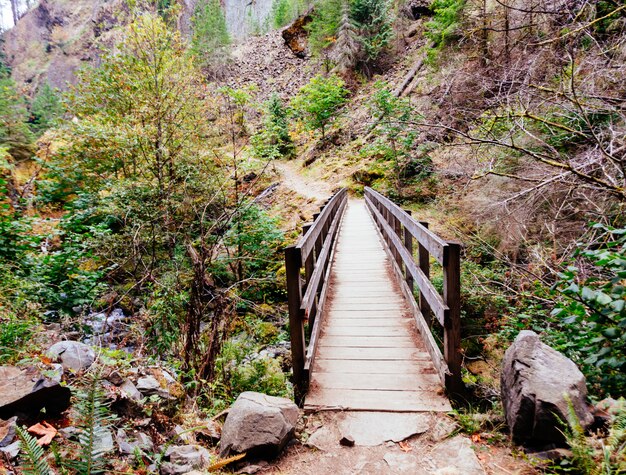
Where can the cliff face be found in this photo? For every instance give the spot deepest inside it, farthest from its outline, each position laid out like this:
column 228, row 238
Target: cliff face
column 54, row 39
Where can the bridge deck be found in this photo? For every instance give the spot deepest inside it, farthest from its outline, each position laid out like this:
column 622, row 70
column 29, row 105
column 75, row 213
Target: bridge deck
column 370, row 355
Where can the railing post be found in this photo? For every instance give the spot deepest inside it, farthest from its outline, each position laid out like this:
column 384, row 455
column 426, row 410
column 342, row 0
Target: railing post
column 424, row 265
column 397, row 228
column 408, row 244
column 452, row 317
column 293, row 262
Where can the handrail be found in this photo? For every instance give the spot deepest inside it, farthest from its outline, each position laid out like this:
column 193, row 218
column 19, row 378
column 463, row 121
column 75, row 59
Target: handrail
column 398, row 230
column 306, row 297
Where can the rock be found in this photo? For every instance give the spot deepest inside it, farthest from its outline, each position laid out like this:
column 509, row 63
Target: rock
column 69, row 432
column 321, row 440
column 12, row 450
column 401, row 463
column 129, row 390
column 259, row 425
column 126, row 447
column 416, row 9
column 347, row 441
column 56, row 372
column 375, row 428
column 456, row 456
column 555, row 455
column 443, row 429
column 74, row 356
column 116, row 378
column 185, row 458
column 24, row 393
column 182, row 435
column 7, row 431
column 253, row 468
column 296, row 35
column 148, row 385
column 536, row 383
column 104, row 442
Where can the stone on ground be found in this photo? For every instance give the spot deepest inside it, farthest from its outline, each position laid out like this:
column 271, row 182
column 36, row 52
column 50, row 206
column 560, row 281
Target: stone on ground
column 74, row 356
column 456, row 456
column 184, row 459
column 538, row 384
column 375, row 428
column 7, row 431
column 259, row 425
column 23, row 393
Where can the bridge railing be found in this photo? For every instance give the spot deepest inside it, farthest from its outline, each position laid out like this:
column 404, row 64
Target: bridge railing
column 399, row 231
column 307, row 266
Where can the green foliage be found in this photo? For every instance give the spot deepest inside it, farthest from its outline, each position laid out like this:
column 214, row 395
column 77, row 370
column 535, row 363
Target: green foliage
column 594, row 311
column 589, row 458
column 260, row 374
column 373, row 22
column 361, row 30
column 285, row 11
column 445, row 21
column 15, row 333
column 93, row 422
column 45, row 109
column 324, row 24
column 15, row 136
column 210, row 34
column 274, row 141
column 35, row 460
column 317, row 103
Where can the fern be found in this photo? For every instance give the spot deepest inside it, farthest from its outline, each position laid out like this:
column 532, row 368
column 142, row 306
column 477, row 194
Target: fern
column 93, row 424
column 35, row 463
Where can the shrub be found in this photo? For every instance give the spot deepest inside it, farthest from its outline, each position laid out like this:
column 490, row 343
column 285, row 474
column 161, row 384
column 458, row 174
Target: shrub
column 317, row 103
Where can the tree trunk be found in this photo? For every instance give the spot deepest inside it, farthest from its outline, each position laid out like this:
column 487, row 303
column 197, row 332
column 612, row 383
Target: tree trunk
column 15, row 10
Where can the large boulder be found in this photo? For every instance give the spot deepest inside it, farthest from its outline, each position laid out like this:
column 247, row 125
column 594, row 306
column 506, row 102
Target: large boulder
column 259, row 425
column 74, row 356
column 538, row 385
column 23, row 393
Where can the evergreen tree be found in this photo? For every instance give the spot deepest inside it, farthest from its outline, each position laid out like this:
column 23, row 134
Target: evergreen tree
column 15, row 135
column 210, row 34
column 45, row 109
column 373, row 21
column 347, row 47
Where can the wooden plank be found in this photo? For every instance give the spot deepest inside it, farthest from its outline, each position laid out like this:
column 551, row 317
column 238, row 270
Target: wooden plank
column 365, row 331
column 377, row 354
column 372, row 400
column 370, row 322
column 370, row 341
column 388, row 367
column 400, row 382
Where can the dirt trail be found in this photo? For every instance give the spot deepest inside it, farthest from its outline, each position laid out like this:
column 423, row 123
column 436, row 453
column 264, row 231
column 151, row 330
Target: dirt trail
column 297, row 179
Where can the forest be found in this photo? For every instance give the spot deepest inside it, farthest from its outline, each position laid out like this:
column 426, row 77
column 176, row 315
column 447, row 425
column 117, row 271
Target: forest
column 156, row 159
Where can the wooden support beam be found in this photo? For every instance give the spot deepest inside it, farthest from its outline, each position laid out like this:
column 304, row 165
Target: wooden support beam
column 424, row 265
column 296, row 324
column 408, row 243
column 452, row 319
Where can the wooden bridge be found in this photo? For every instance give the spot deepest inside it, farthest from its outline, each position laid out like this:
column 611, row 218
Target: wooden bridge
column 362, row 310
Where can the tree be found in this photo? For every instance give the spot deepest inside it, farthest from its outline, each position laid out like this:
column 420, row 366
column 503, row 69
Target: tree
column 318, row 102
column 373, row 23
column 45, row 109
column 347, row 47
column 274, row 141
column 137, row 144
column 14, row 133
column 210, row 34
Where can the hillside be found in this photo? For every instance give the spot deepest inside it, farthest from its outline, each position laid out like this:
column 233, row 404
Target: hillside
column 158, row 157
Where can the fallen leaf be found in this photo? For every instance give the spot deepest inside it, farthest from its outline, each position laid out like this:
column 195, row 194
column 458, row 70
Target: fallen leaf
column 476, row 438
column 45, row 430
column 405, row 446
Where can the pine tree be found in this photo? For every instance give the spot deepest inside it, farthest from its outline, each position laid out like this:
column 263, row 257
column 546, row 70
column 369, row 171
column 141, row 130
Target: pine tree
column 347, row 46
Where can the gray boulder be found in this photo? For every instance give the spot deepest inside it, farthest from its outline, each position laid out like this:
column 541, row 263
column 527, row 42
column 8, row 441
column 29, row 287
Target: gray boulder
column 259, row 425
column 536, row 383
column 185, row 458
column 23, row 393
column 74, row 356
